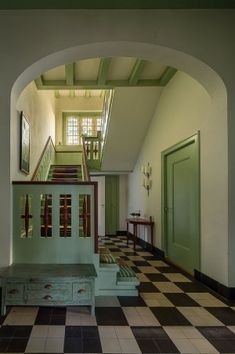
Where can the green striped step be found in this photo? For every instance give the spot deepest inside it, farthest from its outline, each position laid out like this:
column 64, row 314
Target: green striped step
column 107, row 258
column 126, row 272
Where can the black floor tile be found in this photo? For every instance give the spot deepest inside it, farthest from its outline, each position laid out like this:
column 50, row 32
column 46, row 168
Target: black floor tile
column 110, row 316
column 217, row 332
column 125, row 258
column 45, row 311
column 223, row 345
column 156, row 277
column 92, row 345
column 136, row 269
column 141, row 263
column 2, row 319
column 58, row 320
column 17, row 345
column 130, row 253
column 59, row 311
column 179, row 299
column 43, row 320
column 166, row 346
column 73, row 345
column 191, row 287
column 22, row 331
column 90, row 332
column 73, row 332
column 224, row 314
column 170, row 316
column 132, row 301
column 149, row 258
column 149, row 332
column 4, row 343
column 114, row 249
column 147, row 346
column 148, row 287
column 7, row 331
column 168, row 269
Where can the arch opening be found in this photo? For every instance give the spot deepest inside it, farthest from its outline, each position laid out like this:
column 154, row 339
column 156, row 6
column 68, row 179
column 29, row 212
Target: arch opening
column 214, row 86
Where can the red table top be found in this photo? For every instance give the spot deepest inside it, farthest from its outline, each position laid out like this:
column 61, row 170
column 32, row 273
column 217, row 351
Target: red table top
column 139, row 221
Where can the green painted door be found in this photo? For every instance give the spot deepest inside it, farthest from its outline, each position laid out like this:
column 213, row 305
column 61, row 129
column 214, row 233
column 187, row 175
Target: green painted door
column 111, row 204
column 182, row 204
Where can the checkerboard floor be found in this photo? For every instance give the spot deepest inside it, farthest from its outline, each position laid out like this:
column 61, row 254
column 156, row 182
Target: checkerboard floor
column 172, row 314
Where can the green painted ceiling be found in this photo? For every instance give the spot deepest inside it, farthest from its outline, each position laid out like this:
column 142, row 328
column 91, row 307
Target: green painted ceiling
column 116, row 4
column 105, row 73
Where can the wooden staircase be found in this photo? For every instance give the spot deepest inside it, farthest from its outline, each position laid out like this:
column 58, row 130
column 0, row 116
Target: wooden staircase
column 65, row 173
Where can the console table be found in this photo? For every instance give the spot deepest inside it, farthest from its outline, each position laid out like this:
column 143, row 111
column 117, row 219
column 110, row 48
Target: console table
column 139, row 221
column 48, row 285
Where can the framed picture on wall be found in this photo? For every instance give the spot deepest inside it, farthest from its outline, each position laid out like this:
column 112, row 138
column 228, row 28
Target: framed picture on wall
column 24, row 144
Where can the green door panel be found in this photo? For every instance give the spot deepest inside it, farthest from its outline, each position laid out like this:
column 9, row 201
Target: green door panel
column 181, row 203
column 111, row 204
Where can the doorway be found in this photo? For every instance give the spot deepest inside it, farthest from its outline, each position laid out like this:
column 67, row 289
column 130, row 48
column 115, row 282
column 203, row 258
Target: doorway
column 181, row 203
column 101, row 203
column 111, row 204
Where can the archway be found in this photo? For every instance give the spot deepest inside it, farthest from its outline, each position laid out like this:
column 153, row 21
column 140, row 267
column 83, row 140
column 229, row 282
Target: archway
column 215, row 87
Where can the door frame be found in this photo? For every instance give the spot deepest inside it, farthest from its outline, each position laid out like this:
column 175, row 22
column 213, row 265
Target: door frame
column 196, row 140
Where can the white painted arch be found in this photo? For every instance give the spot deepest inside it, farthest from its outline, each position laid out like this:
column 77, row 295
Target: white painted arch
column 194, row 67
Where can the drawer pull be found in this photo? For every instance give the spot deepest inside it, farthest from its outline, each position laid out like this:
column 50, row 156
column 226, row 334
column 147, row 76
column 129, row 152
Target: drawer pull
column 81, row 291
column 47, row 297
column 33, row 280
column 48, row 286
column 13, row 291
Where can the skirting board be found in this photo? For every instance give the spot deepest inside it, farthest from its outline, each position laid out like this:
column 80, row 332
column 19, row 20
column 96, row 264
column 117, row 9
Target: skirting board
column 219, row 288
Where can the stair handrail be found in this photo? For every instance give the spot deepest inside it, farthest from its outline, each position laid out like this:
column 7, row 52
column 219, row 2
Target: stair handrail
column 84, row 161
column 39, row 166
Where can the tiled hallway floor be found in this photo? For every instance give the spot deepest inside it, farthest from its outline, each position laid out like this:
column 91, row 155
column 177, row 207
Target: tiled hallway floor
column 173, row 314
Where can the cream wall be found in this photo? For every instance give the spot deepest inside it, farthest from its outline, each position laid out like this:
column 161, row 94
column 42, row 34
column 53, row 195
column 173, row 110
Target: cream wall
column 183, row 109
column 39, row 108
column 71, row 104
column 198, row 42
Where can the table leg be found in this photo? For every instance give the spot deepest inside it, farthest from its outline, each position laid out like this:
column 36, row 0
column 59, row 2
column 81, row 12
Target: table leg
column 127, row 233
column 135, row 234
column 152, row 236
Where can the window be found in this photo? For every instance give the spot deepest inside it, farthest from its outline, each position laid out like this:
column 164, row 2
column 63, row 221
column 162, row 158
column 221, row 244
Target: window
column 78, row 124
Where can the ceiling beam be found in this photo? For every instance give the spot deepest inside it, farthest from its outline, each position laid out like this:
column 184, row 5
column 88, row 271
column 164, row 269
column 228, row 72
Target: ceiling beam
column 69, row 74
column 103, row 70
column 136, row 71
column 167, row 75
column 39, row 82
column 93, row 85
column 57, row 94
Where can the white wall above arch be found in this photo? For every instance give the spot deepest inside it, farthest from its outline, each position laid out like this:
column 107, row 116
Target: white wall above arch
column 194, row 67
column 199, row 43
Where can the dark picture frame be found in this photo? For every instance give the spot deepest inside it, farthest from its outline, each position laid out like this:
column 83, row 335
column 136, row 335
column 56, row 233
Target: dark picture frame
column 24, row 144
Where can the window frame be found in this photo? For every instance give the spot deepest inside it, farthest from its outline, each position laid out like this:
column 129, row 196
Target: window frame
column 79, row 115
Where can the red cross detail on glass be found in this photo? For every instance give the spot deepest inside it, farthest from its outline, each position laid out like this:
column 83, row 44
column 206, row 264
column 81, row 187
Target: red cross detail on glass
column 95, row 151
column 26, row 216
column 46, row 216
column 65, row 216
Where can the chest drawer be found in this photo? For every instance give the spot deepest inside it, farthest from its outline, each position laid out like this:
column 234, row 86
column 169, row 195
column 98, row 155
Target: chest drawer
column 14, row 291
column 82, row 291
column 47, row 292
